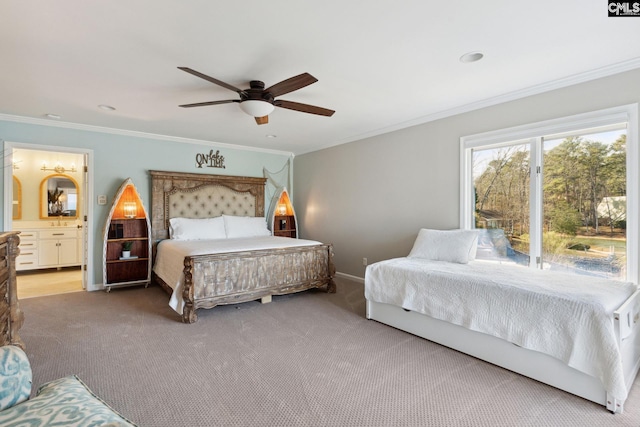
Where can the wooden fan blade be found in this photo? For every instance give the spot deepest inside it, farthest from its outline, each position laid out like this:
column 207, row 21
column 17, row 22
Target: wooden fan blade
column 212, row 80
column 291, row 84
column 203, row 104
column 305, row 108
column 262, row 120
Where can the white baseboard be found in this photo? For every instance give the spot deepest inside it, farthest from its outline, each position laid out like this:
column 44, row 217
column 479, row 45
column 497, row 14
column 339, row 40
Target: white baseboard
column 350, row 277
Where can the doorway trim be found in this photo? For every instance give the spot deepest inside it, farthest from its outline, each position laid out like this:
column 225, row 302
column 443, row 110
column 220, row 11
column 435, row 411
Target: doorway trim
column 87, row 229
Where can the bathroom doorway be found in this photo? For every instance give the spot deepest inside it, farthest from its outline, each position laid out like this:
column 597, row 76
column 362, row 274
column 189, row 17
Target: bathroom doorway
column 47, row 201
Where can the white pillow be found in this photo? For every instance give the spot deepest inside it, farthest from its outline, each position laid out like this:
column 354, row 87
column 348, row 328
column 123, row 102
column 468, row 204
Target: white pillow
column 445, row 245
column 245, row 226
column 197, row 228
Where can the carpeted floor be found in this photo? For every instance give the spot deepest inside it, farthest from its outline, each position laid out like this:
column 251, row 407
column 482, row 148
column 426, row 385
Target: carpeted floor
column 308, row 359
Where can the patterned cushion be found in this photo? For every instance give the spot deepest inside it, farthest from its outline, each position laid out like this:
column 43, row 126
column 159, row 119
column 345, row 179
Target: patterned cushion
column 15, row 376
column 66, row 401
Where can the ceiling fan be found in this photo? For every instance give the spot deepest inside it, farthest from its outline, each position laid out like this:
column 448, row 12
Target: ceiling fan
column 259, row 102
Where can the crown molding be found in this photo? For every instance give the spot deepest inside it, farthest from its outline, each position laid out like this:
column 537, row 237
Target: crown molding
column 605, row 71
column 136, row 134
column 575, row 79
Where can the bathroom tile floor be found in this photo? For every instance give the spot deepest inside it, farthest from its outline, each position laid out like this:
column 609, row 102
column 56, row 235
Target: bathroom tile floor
column 37, row 283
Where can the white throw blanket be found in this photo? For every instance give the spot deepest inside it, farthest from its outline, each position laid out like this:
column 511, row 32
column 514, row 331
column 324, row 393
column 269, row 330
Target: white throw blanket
column 169, row 262
column 565, row 316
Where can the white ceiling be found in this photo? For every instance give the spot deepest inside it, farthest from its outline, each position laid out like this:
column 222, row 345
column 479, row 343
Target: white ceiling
column 382, row 65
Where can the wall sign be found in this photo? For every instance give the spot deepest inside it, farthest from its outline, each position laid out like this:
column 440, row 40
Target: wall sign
column 210, row 160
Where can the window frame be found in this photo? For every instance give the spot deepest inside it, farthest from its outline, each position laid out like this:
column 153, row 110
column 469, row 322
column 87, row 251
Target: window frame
column 533, row 134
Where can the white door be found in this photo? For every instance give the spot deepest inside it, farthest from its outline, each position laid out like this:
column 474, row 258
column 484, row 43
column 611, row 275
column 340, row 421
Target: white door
column 68, row 254
column 48, row 253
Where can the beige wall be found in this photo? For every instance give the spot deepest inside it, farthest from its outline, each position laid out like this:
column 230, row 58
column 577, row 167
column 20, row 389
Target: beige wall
column 29, row 164
column 370, row 197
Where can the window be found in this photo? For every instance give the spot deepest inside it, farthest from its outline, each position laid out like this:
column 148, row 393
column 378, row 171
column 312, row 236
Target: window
column 560, row 195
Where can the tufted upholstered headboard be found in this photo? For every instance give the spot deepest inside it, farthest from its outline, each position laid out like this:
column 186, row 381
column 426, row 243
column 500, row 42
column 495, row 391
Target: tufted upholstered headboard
column 191, row 195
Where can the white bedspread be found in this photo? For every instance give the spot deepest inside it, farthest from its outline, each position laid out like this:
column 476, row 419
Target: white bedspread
column 169, row 262
column 566, row 316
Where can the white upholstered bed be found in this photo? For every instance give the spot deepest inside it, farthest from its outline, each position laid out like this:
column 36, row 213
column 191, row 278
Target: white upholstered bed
column 236, row 263
column 576, row 333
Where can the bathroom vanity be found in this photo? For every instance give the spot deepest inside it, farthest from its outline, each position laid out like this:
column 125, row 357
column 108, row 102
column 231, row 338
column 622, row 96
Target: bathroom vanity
column 50, row 247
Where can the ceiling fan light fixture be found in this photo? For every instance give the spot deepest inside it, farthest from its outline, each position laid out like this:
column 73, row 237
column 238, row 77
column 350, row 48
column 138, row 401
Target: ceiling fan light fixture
column 256, row 108
column 259, row 102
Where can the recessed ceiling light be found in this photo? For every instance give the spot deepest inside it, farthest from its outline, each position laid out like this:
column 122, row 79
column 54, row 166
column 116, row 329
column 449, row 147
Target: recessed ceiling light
column 53, row 116
column 106, row 107
column 271, row 136
column 471, row 57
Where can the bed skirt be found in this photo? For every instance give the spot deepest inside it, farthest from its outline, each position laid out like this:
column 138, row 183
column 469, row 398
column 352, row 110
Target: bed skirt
column 529, row 363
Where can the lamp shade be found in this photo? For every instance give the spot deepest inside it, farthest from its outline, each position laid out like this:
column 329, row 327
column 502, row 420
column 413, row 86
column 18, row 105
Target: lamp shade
column 256, row 108
column 130, row 209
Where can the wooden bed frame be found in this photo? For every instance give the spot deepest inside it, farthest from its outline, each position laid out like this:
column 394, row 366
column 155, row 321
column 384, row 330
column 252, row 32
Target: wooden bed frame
column 11, row 316
column 529, row 363
column 234, row 277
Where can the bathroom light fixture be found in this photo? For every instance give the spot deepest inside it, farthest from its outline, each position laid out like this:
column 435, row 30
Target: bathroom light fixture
column 58, row 168
column 106, row 107
column 256, row 108
column 471, row 57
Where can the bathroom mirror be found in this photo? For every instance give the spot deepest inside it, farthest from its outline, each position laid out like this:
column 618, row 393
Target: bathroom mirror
column 17, row 198
column 58, row 197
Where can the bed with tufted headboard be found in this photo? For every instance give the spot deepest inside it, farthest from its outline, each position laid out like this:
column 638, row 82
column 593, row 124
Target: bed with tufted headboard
column 213, row 226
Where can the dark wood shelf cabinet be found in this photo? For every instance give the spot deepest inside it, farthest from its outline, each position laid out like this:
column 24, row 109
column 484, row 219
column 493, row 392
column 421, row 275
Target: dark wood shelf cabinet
column 127, row 222
column 285, row 226
column 282, row 217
